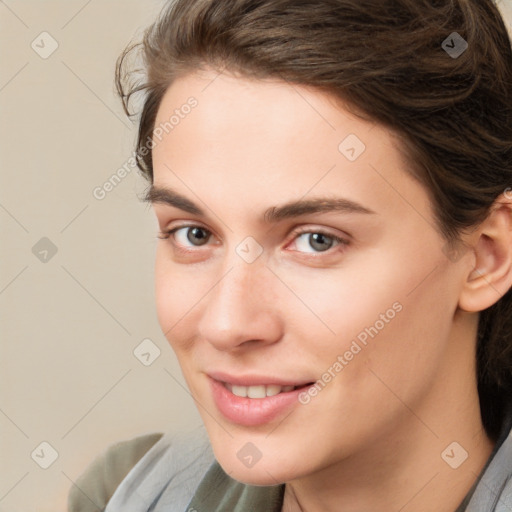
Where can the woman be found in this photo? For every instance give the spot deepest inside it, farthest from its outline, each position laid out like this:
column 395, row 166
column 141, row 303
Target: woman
column 330, row 180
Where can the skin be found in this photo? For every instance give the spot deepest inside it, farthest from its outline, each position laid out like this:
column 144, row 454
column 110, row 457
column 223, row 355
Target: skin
column 374, row 435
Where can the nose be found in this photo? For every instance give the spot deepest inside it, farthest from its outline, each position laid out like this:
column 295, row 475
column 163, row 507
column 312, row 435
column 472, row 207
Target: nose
column 242, row 308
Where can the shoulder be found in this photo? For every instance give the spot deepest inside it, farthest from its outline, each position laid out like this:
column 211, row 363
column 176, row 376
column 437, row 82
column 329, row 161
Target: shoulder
column 494, row 491
column 96, row 485
column 133, row 475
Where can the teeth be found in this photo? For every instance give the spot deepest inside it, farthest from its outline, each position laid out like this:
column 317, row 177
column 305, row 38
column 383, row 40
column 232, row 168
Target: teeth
column 274, row 390
column 239, row 391
column 258, row 391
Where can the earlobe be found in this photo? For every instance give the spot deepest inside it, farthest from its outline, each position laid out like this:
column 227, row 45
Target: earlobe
column 491, row 276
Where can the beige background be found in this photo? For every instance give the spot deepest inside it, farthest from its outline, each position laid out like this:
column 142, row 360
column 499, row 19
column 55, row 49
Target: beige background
column 69, row 324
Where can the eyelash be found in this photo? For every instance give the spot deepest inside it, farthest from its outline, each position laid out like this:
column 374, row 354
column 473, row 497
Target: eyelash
column 339, row 242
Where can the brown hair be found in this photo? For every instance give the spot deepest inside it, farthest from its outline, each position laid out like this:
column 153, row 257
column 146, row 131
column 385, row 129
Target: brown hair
column 387, row 61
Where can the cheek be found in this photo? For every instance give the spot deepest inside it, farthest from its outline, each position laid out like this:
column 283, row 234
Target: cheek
column 178, row 293
column 335, row 306
column 407, row 356
column 396, row 318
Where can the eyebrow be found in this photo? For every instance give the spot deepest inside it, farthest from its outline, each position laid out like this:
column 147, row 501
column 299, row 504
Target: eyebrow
column 167, row 196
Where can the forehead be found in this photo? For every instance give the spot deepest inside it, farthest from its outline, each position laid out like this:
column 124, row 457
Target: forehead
column 264, row 107
column 229, row 110
column 265, row 138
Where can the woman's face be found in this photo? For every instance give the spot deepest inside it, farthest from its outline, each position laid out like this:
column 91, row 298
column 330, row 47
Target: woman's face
column 302, row 252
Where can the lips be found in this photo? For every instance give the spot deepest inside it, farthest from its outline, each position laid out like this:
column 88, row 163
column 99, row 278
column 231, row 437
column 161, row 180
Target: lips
column 256, row 400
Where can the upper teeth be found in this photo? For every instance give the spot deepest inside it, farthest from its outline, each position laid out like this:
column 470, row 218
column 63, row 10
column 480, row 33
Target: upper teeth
column 258, row 391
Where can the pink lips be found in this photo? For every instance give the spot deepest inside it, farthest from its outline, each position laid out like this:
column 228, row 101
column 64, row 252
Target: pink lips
column 252, row 411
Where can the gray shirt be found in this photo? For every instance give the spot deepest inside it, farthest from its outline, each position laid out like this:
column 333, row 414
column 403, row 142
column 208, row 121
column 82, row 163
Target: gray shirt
column 178, row 473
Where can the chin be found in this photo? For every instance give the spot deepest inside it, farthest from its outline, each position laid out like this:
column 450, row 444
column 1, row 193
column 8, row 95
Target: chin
column 267, row 471
column 259, row 476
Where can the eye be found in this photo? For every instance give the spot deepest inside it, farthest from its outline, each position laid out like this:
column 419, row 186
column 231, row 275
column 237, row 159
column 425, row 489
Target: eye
column 317, row 241
column 312, row 241
column 188, row 235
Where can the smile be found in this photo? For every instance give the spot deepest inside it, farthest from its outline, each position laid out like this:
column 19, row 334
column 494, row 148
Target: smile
column 252, row 404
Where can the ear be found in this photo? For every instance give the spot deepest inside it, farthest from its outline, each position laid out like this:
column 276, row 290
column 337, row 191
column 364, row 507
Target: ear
column 491, row 245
